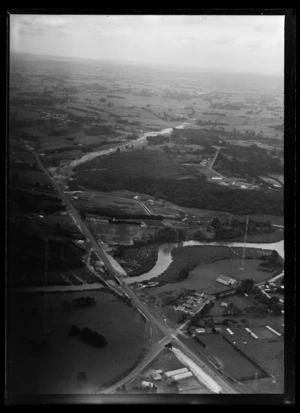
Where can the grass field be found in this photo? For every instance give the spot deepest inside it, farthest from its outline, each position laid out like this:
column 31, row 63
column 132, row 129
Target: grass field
column 55, row 372
column 115, row 233
column 94, row 200
column 268, row 353
column 212, row 262
column 230, row 268
column 32, row 177
column 232, row 363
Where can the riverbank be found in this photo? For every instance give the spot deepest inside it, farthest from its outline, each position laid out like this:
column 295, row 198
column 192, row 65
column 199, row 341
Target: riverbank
column 202, row 255
column 277, row 235
column 137, row 260
column 166, row 256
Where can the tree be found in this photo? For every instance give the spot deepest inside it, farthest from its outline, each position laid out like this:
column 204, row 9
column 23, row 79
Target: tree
column 66, row 305
column 92, row 337
column 246, row 286
column 74, row 331
column 215, row 222
column 82, row 215
column 273, row 257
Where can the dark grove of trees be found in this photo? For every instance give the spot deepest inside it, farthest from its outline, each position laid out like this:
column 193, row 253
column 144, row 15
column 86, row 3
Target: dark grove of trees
column 246, row 286
column 30, row 203
column 235, row 227
column 157, row 140
column 255, row 161
column 74, row 331
column 190, row 193
column 83, row 302
column 184, row 272
column 92, row 337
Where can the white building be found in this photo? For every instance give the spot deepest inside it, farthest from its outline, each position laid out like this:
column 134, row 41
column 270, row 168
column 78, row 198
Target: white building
column 175, row 372
column 146, row 384
column 181, row 376
column 223, row 279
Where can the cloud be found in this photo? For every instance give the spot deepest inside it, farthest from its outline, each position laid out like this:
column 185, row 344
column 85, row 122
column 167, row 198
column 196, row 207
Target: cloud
column 249, row 43
column 32, row 25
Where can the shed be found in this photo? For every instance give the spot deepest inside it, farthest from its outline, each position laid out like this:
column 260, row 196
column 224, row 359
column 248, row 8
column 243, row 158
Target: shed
column 175, row 372
column 181, row 376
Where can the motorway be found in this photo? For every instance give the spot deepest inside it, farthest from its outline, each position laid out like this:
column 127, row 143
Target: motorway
column 153, row 317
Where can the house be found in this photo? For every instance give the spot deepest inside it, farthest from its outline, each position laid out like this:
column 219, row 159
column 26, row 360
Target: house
column 146, row 384
column 224, row 304
column 200, row 330
column 156, row 375
column 223, row 279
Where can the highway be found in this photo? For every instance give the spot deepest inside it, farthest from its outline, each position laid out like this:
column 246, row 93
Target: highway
column 153, row 317
column 214, row 159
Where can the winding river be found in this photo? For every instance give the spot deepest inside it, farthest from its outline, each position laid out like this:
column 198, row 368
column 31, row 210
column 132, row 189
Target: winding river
column 165, row 250
column 140, row 140
column 164, row 258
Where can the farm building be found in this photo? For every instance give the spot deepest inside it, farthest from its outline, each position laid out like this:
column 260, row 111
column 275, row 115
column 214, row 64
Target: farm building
column 146, row 384
column 273, row 331
column 156, row 375
column 181, row 376
column 223, row 279
column 175, row 372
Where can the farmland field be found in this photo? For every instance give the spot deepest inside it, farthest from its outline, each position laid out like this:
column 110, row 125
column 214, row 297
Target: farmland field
column 97, row 201
column 116, row 233
column 55, row 371
column 232, row 363
column 268, row 353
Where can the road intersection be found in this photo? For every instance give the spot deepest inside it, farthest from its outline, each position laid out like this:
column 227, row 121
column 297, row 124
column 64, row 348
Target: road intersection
column 150, row 314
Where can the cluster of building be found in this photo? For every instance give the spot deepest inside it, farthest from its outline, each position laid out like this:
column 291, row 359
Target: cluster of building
column 269, row 288
column 146, row 284
column 183, row 376
column 252, row 334
column 48, row 115
column 193, row 303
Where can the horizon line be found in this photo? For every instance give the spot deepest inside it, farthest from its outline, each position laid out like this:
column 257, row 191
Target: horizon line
column 165, row 66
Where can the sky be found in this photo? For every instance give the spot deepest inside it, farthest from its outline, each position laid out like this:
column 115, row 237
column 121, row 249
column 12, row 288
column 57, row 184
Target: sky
column 246, row 44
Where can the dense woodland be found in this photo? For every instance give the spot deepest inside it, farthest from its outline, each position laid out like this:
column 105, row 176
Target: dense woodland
column 155, row 172
column 252, row 161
